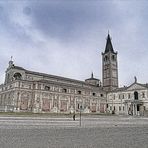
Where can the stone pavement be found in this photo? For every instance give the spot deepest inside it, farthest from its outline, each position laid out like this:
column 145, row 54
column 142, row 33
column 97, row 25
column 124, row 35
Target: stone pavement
column 96, row 132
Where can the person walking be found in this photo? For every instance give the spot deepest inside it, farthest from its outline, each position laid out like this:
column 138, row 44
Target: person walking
column 74, row 117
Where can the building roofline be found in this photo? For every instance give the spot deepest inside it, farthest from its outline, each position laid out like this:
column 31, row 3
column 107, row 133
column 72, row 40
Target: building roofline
column 44, row 75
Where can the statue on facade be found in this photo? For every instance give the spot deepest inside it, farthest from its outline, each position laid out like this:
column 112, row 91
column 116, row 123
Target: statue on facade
column 135, row 79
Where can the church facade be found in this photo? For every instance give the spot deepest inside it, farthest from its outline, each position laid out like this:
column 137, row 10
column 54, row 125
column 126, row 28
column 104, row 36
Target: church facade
column 29, row 91
column 130, row 100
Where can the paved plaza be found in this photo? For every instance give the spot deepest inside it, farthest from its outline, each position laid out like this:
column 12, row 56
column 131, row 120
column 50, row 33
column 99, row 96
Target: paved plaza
column 61, row 132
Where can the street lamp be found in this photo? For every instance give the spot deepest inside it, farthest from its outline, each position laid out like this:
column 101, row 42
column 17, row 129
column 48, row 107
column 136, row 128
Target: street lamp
column 80, row 114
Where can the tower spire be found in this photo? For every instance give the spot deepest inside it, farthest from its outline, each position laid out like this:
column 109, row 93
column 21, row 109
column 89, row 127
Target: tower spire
column 109, row 46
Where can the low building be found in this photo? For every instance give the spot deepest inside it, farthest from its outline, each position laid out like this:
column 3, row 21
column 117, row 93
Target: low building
column 131, row 100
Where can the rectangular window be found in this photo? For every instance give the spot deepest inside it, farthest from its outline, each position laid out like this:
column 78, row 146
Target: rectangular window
column 78, row 106
column 39, row 86
column 138, row 107
column 33, row 86
column 143, row 95
column 114, row 97
column 123, row 96
column 119, row 96
column 119, row 108
column 101, row 95
column 129, row 96
column 144, row 108
column 64, row 90
column 30, row 86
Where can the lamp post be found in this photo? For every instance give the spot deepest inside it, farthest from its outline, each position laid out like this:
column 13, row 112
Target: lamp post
column 80, row 114
column 112, row 104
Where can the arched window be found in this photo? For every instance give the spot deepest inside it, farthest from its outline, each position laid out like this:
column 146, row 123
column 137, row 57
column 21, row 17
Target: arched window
column 64, row 90
column 106, row 58
column 17, row 76
column 136, row 95
column 79, row 92
column 8, row 76
column 47, row 88
column 113, row 57
column 143, row 95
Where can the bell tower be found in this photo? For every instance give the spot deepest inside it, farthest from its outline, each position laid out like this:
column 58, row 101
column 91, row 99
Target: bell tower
column 109, row 67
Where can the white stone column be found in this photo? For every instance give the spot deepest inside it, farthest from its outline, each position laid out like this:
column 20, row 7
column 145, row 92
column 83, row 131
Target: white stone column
column 99, row 105
column 51, row 101
column 126, row 110
column 133, row 109
column 19, row 101
column 75, row 101
column 41, row 101
column 136, row 109
column 59, row 102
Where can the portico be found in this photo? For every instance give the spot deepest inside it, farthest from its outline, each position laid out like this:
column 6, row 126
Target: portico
column 133, row 107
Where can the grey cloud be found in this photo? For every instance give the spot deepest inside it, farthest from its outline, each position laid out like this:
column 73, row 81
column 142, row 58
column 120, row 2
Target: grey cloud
column 27, row 10
column 62, row 19
column 73, row 31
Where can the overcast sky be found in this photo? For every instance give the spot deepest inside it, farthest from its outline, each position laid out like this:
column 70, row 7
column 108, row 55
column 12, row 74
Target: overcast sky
column 66, row 37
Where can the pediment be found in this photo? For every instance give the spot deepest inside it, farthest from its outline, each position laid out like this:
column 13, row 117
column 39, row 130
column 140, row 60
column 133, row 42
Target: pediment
column 135, row 86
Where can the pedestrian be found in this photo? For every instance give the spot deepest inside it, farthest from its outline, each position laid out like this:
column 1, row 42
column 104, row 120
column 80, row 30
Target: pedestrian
column 74, row 117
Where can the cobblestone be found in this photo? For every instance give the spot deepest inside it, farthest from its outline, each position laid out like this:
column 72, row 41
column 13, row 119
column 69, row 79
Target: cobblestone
column 99, row 132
